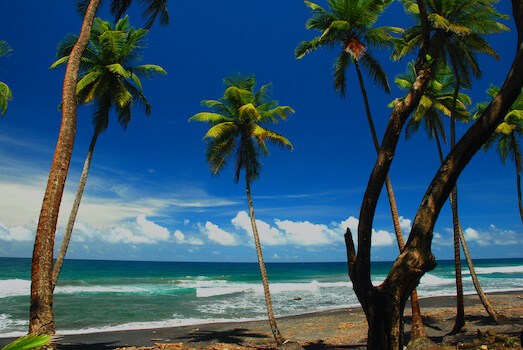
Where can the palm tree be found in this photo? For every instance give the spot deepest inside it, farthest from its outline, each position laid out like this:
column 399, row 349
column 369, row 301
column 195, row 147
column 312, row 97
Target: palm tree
column 349, row 25
column 41, row 319
column 109, row 78
column 236, row 131
column 507, row 137
column 437, row 101
column 383, row 304
column 5, row 92
column 457, row 29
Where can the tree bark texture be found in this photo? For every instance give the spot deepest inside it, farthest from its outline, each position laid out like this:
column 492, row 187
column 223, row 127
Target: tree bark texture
column 417, row 330
column 74, row 211
column 417, row 258
column 41, row 319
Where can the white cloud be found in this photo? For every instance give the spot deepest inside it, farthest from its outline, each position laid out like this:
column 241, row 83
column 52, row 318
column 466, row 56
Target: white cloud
column 406, row 225
column 180, row 238
column 124, row 235
column 307, row 233
column 379, row 238
column 352, row 224
column 382, row 238
column 155, row 233
column 15, row 234
column 216, row 234
column 268, row 235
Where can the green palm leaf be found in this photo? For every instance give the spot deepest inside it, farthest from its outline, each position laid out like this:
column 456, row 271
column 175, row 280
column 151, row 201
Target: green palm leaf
column 235, row 126
column 29, row 342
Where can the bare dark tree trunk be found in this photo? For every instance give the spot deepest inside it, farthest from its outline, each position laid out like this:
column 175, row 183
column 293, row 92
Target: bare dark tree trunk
column 417, row 330
column 41, row 319
column 383, row 304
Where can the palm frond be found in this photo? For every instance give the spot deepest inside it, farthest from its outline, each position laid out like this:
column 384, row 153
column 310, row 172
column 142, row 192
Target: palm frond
column 250, row 112
column 153, row 9
column 275, row 115
column 261, row 134
column 218, row 152
column 30, row 341
column 5, row 48
column 211, row 118
column 148, row 71
column 86, row 83
column 375, row 71
column 340, row 68
column 217, row 130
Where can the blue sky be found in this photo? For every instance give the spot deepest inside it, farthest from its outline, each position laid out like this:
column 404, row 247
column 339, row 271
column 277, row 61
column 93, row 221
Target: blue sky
column 150, row 194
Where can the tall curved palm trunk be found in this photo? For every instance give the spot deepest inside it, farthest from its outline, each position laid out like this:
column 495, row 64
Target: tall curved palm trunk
column 499, row 319
column 265, row 281
column 41, row 319
column 459, row 237
column 417, row 330
column 517, row 162
column 76, row 205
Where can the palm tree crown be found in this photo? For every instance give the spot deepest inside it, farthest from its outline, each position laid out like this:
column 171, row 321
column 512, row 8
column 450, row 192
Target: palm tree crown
column 107, row 74
column 152, row 8
column 236, row 126
column 457, row 33
column 5, row 92
column 348, row 26
column 435, row 102
column 507, row 133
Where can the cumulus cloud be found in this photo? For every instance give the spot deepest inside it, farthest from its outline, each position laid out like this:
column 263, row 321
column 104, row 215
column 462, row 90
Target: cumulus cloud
column 217, row 235
column 307, row 233
column 406, row 225
column 379, row 238
column 15, row 234
column 268, row 235
column 182, row 239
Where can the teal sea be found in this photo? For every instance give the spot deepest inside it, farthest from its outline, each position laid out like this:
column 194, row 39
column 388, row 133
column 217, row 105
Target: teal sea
column 94, row 296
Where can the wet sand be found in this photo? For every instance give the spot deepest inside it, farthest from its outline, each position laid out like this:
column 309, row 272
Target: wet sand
column 337, row 329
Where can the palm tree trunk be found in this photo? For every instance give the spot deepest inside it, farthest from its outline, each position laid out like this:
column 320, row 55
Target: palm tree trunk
column 72, row 217
column 417, row 330
column 499, row 319
column 265, row 281
column 41, row 319
column 459, row 324
column 518, row 179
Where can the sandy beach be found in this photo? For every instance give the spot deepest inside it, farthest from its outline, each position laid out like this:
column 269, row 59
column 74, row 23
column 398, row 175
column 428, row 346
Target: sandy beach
column 337, row 329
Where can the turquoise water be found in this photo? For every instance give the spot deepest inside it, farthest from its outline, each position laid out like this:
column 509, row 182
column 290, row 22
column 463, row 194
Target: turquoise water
column 116, row 295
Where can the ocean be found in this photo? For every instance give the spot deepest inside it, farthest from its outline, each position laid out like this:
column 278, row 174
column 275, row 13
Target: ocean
column 94, row 295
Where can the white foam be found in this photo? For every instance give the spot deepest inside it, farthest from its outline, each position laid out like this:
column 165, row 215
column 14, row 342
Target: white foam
column 99, row 289
column 496, row 269
column 432, row 280
column 14, row 287
column 211, row 292
column 153, row 325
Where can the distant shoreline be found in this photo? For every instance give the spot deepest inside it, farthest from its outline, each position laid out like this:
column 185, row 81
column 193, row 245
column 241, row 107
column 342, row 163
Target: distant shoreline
column 342, row 326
